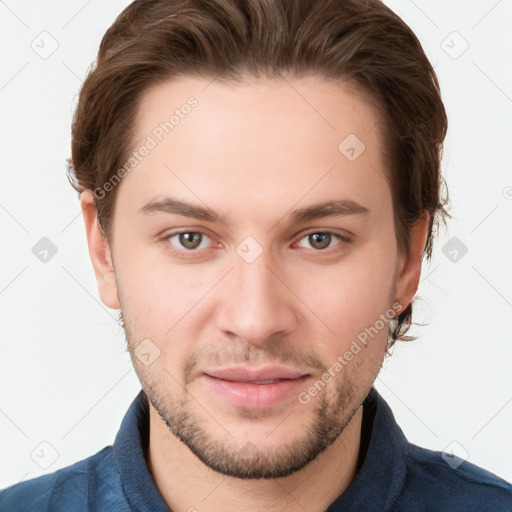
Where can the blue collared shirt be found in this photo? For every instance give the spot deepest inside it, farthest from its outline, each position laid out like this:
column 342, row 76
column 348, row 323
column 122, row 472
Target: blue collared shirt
column 394, row 475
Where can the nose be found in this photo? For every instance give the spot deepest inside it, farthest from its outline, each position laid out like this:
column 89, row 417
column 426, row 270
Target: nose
column 254, row 304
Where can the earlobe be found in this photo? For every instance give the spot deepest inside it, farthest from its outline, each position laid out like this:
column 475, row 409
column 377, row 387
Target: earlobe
column 99, row 252
column 409, row 271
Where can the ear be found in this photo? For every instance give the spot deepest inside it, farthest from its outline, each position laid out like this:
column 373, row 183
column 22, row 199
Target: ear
column 409, row 269
column 100, row 252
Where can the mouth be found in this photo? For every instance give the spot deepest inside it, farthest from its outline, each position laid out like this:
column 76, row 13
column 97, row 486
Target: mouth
column 258, row 382
column 255, row 388
column 256, row 375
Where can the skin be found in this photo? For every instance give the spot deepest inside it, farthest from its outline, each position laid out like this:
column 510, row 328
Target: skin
column 255, row 152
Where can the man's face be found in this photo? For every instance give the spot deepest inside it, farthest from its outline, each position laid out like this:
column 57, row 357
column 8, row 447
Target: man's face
column 249, row 307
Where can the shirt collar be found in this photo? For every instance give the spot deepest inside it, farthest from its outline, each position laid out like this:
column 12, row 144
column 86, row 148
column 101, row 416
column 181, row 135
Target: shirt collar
column 130, row 448
column 381, row 476
column 375, row 487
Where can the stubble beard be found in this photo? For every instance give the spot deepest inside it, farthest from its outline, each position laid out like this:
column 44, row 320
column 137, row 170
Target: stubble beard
column 194, row 427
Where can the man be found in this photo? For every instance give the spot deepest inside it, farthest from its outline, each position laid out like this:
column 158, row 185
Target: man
column 259, row 181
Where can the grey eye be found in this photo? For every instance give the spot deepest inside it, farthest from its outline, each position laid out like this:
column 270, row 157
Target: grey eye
column 320, row 240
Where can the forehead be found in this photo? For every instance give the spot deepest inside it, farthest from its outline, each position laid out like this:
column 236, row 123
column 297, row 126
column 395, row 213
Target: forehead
column 263, row 138
column 311, row 105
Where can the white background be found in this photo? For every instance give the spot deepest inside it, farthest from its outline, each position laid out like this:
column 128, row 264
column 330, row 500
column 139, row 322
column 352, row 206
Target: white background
column 66, row 378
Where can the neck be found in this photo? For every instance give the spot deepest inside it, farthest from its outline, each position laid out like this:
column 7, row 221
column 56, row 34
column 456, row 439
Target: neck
column 186, row 484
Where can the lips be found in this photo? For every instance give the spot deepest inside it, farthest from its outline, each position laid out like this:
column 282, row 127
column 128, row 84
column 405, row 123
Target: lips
column 254, row 388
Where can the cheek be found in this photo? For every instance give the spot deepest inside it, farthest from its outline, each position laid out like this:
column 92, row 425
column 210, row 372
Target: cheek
column 351, row 296
column 153, row 296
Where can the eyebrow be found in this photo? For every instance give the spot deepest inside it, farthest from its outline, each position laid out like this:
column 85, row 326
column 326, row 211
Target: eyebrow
column 333, row 208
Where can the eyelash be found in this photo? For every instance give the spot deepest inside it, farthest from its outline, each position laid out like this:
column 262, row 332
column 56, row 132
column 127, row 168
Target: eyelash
column 184, row 252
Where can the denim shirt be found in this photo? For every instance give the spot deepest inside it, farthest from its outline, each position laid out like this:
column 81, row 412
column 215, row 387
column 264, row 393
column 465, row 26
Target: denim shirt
column 393, row 475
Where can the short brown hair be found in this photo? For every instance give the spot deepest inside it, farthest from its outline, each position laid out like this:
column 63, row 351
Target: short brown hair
column 359, row 42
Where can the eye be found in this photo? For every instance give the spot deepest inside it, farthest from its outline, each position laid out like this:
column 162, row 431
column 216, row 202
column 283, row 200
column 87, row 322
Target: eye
column 187, row 240
column 321, row 240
